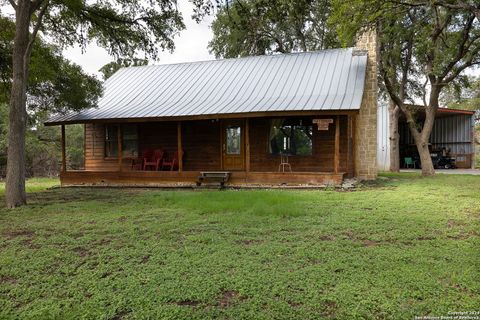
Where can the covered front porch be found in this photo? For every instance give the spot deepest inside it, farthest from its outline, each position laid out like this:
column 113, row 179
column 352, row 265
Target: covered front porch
column 315, row 149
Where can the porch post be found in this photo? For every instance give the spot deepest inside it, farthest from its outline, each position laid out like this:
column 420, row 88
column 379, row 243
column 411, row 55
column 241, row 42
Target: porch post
column 247, row 145
column 349, row 142
column 336, row 158
column 120, row 151
column 179, row 146
column 64, row 154
column 354, row 156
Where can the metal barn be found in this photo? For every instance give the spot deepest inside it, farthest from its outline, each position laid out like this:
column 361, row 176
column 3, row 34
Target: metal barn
column 453, row 130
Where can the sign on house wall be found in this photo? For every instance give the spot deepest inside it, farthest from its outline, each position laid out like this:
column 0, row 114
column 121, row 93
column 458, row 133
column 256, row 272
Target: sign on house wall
column 322, row 124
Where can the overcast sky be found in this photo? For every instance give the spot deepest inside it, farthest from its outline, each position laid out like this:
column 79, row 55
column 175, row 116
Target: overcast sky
column 190, row 45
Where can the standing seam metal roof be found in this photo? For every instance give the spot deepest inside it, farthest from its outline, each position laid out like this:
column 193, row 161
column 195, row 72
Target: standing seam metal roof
column 312, row 81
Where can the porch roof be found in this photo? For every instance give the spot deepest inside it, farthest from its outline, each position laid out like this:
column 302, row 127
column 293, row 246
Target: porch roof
column 313, row 81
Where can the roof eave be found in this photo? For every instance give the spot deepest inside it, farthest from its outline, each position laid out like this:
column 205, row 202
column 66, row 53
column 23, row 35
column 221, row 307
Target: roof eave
column 209, row 117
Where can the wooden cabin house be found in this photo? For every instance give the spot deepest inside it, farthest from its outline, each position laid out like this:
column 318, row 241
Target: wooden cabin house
column 295, row 119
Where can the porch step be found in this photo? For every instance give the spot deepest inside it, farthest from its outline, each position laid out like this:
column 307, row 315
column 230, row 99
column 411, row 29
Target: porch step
column 213, row 176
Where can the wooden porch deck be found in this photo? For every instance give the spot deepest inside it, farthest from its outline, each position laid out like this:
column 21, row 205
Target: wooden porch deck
column 172, row 178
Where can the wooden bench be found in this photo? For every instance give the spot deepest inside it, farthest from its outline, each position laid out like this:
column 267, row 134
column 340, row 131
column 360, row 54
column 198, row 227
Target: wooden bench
column 213, row 176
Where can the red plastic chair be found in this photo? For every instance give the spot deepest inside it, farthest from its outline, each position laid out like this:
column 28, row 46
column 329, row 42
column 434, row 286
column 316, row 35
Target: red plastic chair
column 154, row 161
column 173, row 163
column 137, row 163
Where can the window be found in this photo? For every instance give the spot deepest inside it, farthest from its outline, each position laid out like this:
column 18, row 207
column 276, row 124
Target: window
column 129, row 140
column 111, row 141
column 233, row 139
column 291, row 136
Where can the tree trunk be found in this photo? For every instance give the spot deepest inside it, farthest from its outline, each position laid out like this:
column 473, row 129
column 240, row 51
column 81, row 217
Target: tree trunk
column 425, row 158
column 15, row 184
column 394, row 136
column 423, row 151
column 421, row 138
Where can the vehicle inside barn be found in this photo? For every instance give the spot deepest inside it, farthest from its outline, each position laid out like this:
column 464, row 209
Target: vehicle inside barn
column 452, row 141
column 451, row 145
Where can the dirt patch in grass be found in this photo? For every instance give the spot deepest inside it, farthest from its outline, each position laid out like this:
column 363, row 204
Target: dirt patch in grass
column 81, row 251
column 122, row 314
column 12, row 234
column 315, row 261
column 7, row 280
column 68, row 195
column 104, row 241
column 327, row 238
column 463, row 235
column 27, row 237
column 425, row 238
column 105, row 275
column 329, row 308
column 370, row 243
column 454, row 223
column 294, row 304
column 227, row 298
column 349, row 234
column 30, row 244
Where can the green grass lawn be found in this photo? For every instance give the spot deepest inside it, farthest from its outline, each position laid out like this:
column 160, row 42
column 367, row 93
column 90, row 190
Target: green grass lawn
column 404, row 246
column 34, row 185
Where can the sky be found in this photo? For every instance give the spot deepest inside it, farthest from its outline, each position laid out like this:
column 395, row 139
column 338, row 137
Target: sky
column 190, row 45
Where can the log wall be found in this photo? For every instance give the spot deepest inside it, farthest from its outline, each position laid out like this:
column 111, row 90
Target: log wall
column 201, row 141
column 323, row 149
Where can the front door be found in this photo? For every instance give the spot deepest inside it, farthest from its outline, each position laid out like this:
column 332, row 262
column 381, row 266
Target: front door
column 233, row 150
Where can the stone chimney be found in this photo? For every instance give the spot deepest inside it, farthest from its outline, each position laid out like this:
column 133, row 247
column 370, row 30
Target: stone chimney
column 365, row 145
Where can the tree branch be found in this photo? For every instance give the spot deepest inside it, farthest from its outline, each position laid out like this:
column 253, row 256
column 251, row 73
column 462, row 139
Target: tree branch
column 459, row 5
column 459, row 70
column 463, row 47
column 37, row 26
column 35, row 5
column 396, row 99
column 13, row 4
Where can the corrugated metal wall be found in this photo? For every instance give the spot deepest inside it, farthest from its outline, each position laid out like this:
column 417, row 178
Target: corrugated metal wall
column 383, row 142
column 452, row 132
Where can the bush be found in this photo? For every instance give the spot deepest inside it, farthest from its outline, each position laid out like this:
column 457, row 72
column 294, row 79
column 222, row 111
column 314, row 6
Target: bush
column 43, row 146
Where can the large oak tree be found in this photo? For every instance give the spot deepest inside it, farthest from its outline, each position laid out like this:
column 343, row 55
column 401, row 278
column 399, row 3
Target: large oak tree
column 54, row 85
column 125, row 27
column 424, row 47
column 257, row 27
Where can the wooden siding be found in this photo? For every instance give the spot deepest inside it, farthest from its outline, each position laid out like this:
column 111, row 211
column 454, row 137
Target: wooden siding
column 95, row 149
column 201, row 141
column 323, row 149
column 158, row 135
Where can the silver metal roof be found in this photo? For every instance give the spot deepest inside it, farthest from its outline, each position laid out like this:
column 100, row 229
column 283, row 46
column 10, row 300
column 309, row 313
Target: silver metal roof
column 322, row 80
